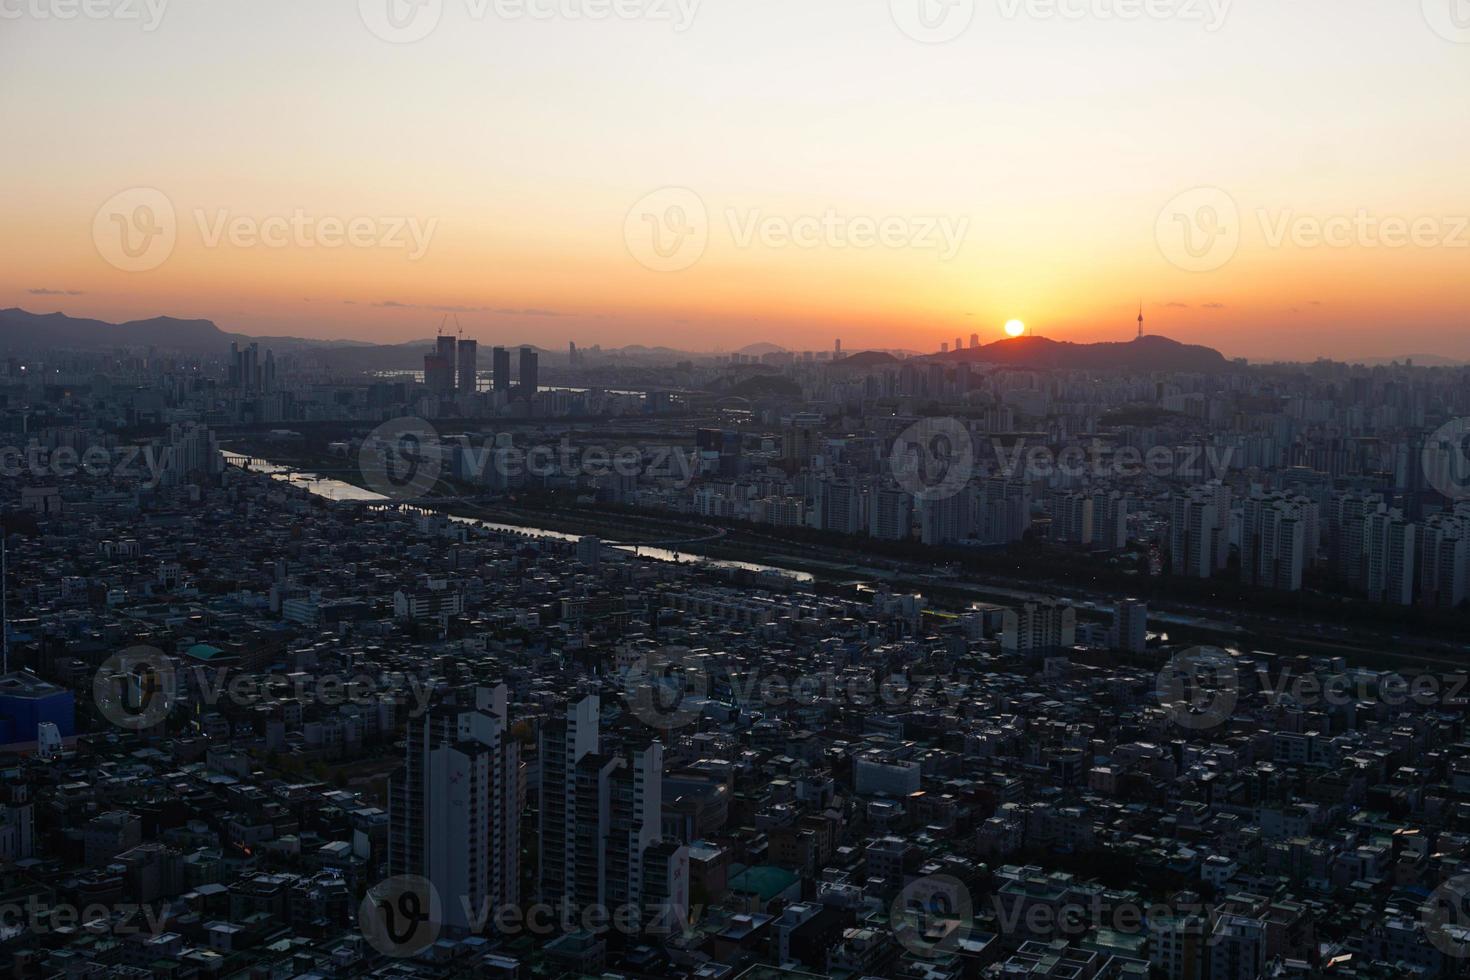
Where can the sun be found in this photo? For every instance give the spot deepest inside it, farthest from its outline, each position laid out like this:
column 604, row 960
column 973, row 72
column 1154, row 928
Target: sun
column 1015, row 328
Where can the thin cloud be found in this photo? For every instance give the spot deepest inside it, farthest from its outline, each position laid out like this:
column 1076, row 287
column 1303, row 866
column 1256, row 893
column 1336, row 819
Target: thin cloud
column 1176, row 306
column 56, row 292
column 1213, row 306
column 392, row 304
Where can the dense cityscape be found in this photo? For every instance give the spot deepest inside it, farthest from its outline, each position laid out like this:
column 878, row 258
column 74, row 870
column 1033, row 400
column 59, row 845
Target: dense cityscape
column 1009, row 659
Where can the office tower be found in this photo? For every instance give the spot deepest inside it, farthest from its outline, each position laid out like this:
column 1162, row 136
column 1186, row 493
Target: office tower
column 439, row 374
column 246, row 371
column 455, row 807
column 1039, row 628
column 500, row 366
column 837, row 350
column 974, row 340
column 589, row 550
column 944, row 347
column 1274, row 538
column 468, row 365
column 572, row 353
column 1390, row 557
column 529, row 383
column 1130, row 626
column 444, row 347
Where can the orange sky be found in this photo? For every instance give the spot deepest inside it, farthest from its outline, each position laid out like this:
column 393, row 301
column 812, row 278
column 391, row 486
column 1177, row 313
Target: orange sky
column 814, row 156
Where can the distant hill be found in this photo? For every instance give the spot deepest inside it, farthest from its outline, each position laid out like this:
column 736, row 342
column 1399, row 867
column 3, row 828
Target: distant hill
column 1142, row 354
column 22, row 330
column 865, row 361
column 757, row 350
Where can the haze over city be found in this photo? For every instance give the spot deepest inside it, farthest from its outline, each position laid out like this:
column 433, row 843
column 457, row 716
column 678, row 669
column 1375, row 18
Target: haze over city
column 1277, row 181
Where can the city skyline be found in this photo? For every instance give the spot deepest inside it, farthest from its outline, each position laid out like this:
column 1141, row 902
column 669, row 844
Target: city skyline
column 814, row 173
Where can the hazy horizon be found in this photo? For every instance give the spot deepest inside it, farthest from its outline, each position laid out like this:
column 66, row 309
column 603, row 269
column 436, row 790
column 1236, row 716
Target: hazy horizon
column 1277, row 182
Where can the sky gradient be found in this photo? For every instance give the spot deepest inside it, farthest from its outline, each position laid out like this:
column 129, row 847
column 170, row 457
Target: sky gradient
column 1068, row 148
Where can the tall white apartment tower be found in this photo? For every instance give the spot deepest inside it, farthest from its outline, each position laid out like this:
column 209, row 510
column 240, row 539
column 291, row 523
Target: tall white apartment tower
column 455, row 807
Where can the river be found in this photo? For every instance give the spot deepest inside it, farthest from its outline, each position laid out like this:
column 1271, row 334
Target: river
column 330, row 488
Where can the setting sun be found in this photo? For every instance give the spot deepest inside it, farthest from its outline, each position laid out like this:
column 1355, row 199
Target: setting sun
column 1015, row 328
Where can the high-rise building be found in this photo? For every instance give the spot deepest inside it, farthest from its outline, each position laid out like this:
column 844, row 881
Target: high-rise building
column 1349, row 544
column 500, row 367
column 439, row 367
column 248, row 372
column 455, row 808
column 1274, row 534
column 1039, row 627
column 1199, row 530
column 1110, row 519
column 1443, row 558
column 839, row 507
column 601, row 813
column 468, row 366
column 1073, row 517
column 946, row 519
column 1002, row 510
column 529, row 371
column 891, row 514
column 1130, row 626
column 1390, row 557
